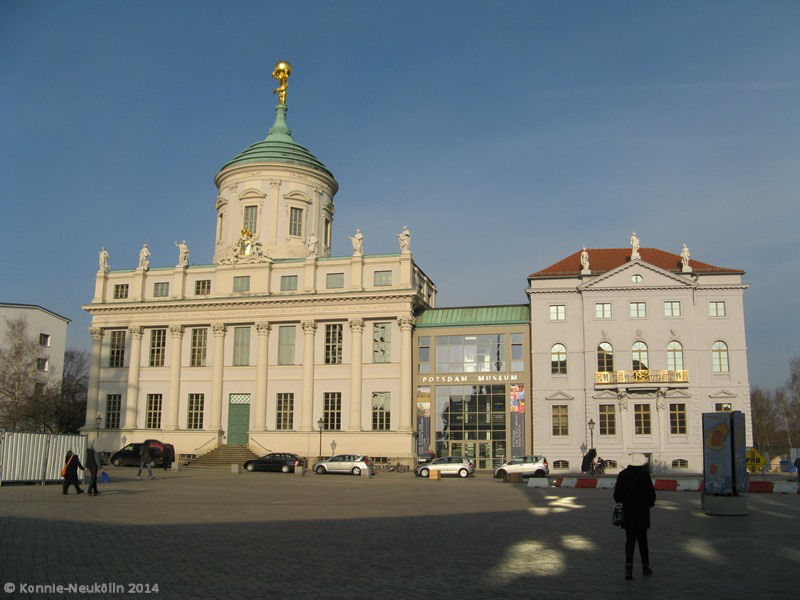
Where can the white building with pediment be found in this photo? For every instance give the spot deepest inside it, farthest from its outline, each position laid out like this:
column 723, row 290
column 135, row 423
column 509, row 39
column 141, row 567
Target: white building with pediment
column 273, row 340
column 629, row 347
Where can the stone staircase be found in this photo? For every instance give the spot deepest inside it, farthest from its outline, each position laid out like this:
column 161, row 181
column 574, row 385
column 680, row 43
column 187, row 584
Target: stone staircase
column 223, row 456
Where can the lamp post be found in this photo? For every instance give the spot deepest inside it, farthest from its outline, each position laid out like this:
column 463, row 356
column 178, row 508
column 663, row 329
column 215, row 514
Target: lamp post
column 98, row 421
column 320, row 424
column 591, row 433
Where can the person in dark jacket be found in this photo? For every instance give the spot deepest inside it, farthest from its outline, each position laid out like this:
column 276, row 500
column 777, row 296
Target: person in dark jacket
column 72, row 464
column 634, row 489
column 93, row 464
column 144, row 461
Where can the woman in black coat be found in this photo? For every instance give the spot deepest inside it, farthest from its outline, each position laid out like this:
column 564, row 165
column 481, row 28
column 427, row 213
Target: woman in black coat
column 72, row 463
column 634, row 489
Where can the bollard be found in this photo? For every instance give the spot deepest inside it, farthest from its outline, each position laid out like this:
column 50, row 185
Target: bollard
column 237, row 468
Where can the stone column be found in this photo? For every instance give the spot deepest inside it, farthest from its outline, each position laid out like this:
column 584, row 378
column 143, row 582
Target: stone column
column 357, row 331
column 259, row 418
column 176, row 331
column 307, row 410
column 216, row 376
column 93, row 397
column 132, row 395
column 406, row 326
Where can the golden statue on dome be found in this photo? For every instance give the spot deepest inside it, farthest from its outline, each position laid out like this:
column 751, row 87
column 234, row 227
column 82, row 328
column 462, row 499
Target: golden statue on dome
column 281, row 72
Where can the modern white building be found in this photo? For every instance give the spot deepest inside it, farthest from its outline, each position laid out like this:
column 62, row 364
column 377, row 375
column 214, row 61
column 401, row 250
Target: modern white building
column 629, row 347
column 45, row 328
column 274, row 341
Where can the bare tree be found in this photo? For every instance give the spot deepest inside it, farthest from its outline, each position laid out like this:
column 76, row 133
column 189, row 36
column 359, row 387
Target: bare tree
column 21, row 383
column 766, row 422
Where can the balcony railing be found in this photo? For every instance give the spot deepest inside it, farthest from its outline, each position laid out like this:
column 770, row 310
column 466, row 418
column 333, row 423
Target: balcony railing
column 640, row 376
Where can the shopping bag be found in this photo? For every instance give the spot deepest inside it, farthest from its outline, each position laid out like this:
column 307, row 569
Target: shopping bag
column 104, row 478
column 64, row 471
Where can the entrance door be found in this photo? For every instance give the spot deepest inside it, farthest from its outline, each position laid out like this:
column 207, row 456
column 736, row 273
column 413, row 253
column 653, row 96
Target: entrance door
column 479, row 452
column 239, row 419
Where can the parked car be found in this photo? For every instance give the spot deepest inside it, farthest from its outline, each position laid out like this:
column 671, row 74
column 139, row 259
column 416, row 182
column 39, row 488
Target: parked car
column 161, row 454
column 345, row 463
column 532, row 465
column 275, row 461
column 425, row 457
column 447, row 465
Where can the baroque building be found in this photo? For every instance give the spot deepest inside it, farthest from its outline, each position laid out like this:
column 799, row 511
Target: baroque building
column 273, row 342
column 629, row 347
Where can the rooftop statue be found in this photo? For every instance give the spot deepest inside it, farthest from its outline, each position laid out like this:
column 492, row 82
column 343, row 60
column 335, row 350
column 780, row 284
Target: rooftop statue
column 281, row 72
column 634, row 246
column 585, row 261
column 404, row 237
column 685, row 254
column 358, row 243
column 144, row 258
column 183, row 254
column 103, row 260
column 313, row 246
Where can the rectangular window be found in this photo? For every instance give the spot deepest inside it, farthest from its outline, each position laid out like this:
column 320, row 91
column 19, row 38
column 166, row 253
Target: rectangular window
column 241, row 346
column 424, row 343
column 716, row 309
column 381, row 342
column 113, row 409
column 641, row 419
column 42, row 364
column 288, row 283
column 197, row 353
column 723, row 407
column 334, row 281
column 558, row 312
column 250, row 220
column 120, row 291
column 296, row 222
column 560, row 419
column 332, row 411
column 158, row 345
column 326, row 238
column 638, row 310
column 202, row 287
column 333, row 344
column 517, row 358
column 672, row 308
column 608, row 419
column 382, row 278
column 116, row 356
column 241, row 284
column 381, row 411
column 44, row 339
column 286, row 336
column 161, row 289
column 602, row 310
column 153, row 414
column 284, row 418
column 194, row 415
column 471, row 353
column 677, row 419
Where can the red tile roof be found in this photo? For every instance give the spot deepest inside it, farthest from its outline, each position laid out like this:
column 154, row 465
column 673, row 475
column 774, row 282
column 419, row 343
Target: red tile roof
column 602, row 260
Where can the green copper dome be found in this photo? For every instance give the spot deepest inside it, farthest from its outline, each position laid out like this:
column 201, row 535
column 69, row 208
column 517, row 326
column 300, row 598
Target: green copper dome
column 279, row 146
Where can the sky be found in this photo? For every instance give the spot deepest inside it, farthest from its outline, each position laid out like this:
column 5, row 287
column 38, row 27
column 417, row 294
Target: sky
column 505, row 135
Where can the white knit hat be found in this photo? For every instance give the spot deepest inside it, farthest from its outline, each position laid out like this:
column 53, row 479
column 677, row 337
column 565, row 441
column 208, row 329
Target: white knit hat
column 637, row 459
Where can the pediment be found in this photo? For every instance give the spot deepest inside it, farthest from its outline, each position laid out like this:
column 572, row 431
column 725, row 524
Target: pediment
column 652, row 276
column 297, row 196
column 252, row 194
column 559, row 396
column 722, row 395
column 677, row 394
column 606, row 395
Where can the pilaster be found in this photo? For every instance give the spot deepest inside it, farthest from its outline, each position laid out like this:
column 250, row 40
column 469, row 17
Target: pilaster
column 259, row 417
column 216, row 376
column 307, row 410
column 357, row 334
column 132, row 395
column 174, row 398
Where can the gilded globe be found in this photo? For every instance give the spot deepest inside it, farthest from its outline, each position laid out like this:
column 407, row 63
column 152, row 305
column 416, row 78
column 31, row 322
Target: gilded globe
column 281, row 68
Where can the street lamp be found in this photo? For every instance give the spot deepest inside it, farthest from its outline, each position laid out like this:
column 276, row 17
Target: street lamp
column 98, row 421
column 591, row 433
column 321, row 425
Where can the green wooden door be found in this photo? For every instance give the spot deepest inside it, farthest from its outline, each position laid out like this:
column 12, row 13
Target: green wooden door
column 239, row 419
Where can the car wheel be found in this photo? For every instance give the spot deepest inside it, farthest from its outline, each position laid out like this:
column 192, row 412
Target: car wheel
column 501, row 473
column 463, row 473
column 285, row 469
column 539, row 474
column 320, row 470
column 250, row 467
column 424, row 472
column 115, row 462
column 356, row 471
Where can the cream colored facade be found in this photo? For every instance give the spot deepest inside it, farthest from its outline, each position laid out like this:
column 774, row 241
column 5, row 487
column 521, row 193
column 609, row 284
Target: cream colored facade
column 681, row 317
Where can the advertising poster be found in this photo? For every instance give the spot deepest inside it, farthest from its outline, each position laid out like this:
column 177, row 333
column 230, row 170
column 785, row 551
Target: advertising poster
column 423, row 418
column 718, row 453
column 517, row 405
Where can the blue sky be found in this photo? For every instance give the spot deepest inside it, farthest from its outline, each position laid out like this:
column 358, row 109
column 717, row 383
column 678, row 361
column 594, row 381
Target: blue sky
column 506, row 135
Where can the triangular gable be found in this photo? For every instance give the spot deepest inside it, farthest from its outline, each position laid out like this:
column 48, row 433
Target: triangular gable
column 722, row 395
column 677, row 394
column 621, row 277
column 606, row 395
column 560, row 396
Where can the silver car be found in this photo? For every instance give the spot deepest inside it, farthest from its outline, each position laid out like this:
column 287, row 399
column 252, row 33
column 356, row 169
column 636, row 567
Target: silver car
column 345, row 463
column 447, row 465
column 531, row 465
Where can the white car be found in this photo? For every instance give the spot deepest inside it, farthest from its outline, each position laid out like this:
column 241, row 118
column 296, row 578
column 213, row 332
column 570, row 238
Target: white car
column 345, row 463
column 531, row 465
column 447, row 465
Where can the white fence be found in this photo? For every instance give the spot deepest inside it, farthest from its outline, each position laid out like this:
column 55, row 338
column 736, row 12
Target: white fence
column 26, row 457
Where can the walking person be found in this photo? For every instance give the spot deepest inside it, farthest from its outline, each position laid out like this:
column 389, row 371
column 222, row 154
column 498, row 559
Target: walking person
column 93, row 464
column 144, row 461
column 70, row 472
column 634, row 490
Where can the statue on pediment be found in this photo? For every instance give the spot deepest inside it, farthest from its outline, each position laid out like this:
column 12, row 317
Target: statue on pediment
column 685, row 255
column 634, row 246
column 585, row 262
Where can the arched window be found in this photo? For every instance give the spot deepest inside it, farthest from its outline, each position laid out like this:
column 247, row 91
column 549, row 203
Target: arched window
column 680, row 463
column 719, row 357
column 674, row 356
column 639, row 352
column 605, row 357
column 558, row 359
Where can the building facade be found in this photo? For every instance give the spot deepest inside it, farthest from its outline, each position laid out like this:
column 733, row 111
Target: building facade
column 273, row 343
column 629, row 347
